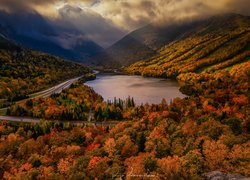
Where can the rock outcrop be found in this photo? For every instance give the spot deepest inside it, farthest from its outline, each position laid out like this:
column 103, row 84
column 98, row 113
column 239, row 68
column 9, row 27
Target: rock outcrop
column 217, row 175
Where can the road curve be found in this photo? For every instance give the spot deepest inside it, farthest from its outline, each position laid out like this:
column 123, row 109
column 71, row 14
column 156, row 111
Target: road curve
column 53, row 90
column 36, row 120
column 56, row 89
column 19, row 119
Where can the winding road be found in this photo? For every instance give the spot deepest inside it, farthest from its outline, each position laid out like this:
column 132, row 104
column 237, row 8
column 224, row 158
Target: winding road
column 36, row 120
column 56, row 89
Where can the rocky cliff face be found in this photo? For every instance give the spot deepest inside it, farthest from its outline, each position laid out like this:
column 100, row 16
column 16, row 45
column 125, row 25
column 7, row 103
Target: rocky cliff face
column 217, row 175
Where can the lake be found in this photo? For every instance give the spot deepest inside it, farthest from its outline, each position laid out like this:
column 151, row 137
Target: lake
column 142, row 89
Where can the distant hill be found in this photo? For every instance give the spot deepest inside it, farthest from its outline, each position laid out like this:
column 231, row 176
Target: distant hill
column 24, row 71
column 31, row 30
column 141, row 44
column 152, row 41
column 210, row 45
column 126, row 51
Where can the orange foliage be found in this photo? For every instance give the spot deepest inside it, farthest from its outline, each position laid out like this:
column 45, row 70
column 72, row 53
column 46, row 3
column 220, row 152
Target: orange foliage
column 135, row 165
column 26, row 167
column 64, row 165
column 208, row 107
column 239, row 156
column 170, row 166
column 109, row 146
column 241, row 100
column 94, row 161
column 189, row 127
column 216, row 155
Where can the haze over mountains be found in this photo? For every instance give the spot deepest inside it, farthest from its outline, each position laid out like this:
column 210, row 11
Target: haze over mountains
column 75, row 29
column 142, row 43
column 32, row 30
column 148, row 41
column 24, row 71
column 219, row 42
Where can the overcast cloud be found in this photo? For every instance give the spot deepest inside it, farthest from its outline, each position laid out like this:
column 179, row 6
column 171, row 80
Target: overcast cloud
column 105, row 21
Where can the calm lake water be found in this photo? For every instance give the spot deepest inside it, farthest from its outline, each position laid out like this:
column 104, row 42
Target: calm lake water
column 143, row 90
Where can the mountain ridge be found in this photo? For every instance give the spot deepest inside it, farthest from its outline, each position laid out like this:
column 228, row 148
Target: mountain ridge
column 217, row 43
column 34, row 31
column 146, row 42
column 24, row 71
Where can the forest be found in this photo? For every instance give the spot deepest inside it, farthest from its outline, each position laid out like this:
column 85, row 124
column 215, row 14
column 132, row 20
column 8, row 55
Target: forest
column 178, row 139
column 75, row 103
column 207, row 131
column 23, row 71
column 208, row 49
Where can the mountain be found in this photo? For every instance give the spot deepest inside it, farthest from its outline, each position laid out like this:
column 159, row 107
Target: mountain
column 213, row 44
column 141, row 44
column 24, row 71
column 31, row 30
column 5, row 44
column 155, row 37
column 124, row 52
column 151, row 41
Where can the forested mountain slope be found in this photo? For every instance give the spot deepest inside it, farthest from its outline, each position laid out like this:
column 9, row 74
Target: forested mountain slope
column 218, row 43
column 141, row 44
column 125, row 52
column 207, row 131
column 31, row 30
column 23, row 71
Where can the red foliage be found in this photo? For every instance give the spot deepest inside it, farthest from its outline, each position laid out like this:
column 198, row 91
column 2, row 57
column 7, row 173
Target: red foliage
column 93, row 146
column 94, row 161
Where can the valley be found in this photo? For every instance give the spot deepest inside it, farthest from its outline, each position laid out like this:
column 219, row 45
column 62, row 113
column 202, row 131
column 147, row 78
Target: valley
column 208, row 48
column 24, row 72
column 179, row 109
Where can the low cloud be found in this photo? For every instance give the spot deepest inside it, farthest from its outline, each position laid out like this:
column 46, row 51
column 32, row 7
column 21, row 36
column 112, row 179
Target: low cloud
column 131, row 14
column 26, row 5
column 105, row 21
column 181, row 10
column 89, row 23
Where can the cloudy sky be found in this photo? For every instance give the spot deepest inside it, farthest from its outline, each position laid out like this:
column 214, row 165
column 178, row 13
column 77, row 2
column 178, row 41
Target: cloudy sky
column 105, row 21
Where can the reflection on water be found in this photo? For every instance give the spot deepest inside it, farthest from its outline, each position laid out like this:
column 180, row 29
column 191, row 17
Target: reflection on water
column 144, row 90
